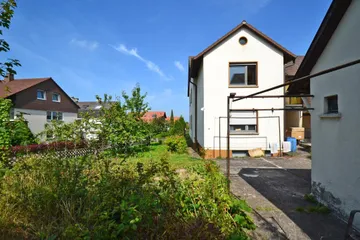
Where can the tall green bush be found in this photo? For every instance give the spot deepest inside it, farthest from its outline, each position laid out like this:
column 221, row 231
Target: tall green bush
column 176, row 144
column 5, row 136
column 20, row 132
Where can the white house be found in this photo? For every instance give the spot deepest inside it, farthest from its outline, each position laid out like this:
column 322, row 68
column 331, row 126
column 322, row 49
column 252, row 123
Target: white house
column 335, row 119
column 243, row 61
column 39, row 100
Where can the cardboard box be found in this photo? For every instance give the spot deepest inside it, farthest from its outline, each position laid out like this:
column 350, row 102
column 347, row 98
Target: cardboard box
column 296, row 132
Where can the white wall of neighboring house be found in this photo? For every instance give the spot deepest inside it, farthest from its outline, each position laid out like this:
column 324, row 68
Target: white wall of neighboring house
column 270, row 65
column 199, row 81
column 37, row 118
column 335, row 141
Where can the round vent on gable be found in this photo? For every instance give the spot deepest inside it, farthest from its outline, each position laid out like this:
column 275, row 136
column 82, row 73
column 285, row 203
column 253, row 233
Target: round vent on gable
column 243, row 41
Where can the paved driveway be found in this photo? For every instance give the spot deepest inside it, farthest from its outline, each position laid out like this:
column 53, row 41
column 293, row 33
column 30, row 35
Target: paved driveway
column 275, row 189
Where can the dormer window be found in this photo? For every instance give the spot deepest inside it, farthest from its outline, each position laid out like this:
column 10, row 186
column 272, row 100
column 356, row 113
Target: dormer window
column 56, row 97
column 41, row 95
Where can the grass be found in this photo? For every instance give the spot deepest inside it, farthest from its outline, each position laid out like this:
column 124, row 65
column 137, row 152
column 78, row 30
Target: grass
column 156, row 151
column 318, row 208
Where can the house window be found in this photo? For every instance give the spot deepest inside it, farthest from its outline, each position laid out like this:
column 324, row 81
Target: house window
column 190, row 96
column 243, row 40
column 54, row 116
column 243, row 74
column 190, row 122
column 56, row 97
column 12, row 114
column 154, row 116
column 243, row 122
column 331, row 104
column 41, row 95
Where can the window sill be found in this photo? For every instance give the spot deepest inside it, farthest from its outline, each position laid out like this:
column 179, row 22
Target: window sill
column 56, row 101
column 331, row 115
column 42, row 99
column 253, row 86
column 244, row 133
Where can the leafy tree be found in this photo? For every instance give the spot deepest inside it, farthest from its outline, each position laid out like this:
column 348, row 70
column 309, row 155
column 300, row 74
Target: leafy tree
column 179, row 127
column 121, row 125
column 6, row 13
column 158, row 126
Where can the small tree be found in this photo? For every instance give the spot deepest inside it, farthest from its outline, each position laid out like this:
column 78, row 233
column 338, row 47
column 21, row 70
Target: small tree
column 172, row 118
column 5, row 136
column 179, row 127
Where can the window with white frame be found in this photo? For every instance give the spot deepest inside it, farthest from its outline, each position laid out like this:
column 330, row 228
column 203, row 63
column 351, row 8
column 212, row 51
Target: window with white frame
column 243, row 74
column 41, row 95
column 56, row 97
column 243, row 122
column 54, row 116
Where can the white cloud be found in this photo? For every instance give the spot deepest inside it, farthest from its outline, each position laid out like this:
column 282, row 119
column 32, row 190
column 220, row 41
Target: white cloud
column 90, row 45
column 179, row 66
column 149, row 64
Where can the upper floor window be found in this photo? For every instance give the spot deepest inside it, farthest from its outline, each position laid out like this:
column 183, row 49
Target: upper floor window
column 54, row 116
column 41, row 95
column 243, row 74
column 331, row 104
column 56, row 97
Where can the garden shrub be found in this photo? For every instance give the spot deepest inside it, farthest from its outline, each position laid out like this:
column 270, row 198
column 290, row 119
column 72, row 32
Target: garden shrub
column 20, row 133
column 86, row 198
column 176, row 144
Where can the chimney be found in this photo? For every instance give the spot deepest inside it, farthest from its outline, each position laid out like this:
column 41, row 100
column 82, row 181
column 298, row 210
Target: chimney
column 9, row 77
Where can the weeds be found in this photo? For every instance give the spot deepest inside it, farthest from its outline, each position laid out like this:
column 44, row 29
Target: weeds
column 318, row 208
column 86, row 198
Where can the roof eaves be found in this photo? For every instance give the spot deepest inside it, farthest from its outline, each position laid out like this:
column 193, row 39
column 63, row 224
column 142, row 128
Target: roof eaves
column 327, row 28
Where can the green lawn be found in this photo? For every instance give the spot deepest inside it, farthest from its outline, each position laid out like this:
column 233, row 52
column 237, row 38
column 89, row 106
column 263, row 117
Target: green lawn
column 156, row 152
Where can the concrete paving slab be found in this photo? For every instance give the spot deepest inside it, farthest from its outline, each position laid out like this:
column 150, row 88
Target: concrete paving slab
column 275, row 189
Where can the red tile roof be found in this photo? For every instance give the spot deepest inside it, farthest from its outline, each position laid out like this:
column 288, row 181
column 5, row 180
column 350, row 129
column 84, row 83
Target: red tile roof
column 10, row 88
column 175, row 118
column 292, row 67
column 149, row 116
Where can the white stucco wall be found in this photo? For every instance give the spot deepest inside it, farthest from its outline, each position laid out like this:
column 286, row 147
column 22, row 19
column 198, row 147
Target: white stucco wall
column 335, row 142
column 270, row 65
column 37, row 119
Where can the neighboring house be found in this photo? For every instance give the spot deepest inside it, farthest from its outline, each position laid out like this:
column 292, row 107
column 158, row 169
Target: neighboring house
column 40, row 100
column 297, row 119
column 243, row 61
column 175, row 119
column 92, row 108
column 149, row 116
column 335, row 119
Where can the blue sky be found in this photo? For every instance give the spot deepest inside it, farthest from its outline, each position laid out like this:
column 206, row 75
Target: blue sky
column 94, row 47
